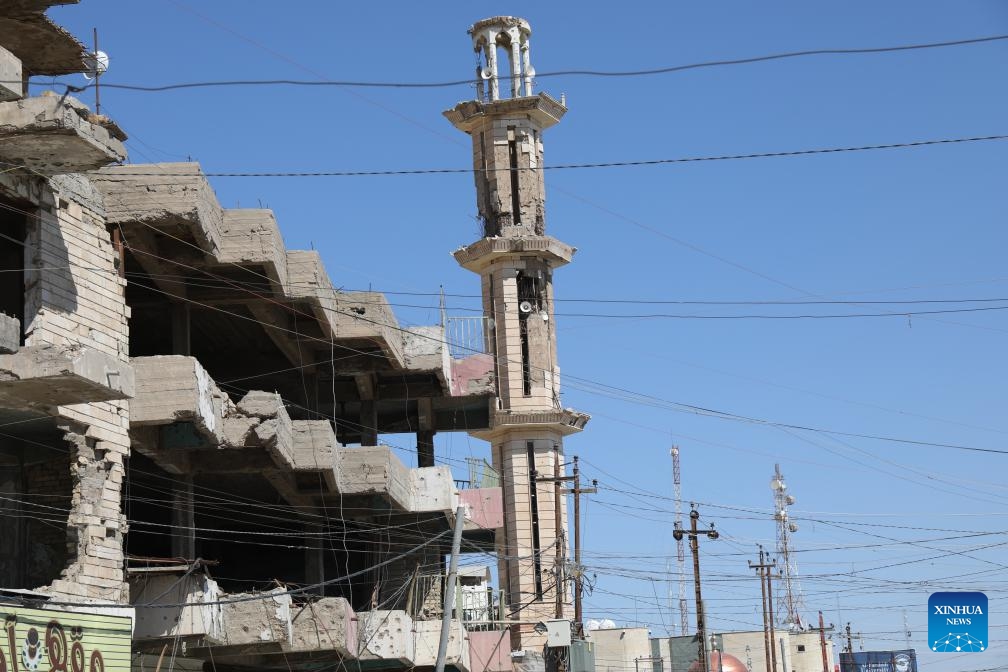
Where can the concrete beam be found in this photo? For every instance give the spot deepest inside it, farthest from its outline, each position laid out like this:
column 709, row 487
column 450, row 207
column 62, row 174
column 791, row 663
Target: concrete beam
column 53, row 135
column 48, row 376
column 174, row 388
column 271, row 316
column 174, row 198
column 375, row 470
column 252, row 237
column 11, row 76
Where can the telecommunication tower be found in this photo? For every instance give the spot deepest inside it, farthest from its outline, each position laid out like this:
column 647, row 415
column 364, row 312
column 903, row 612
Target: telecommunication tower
column 789, row 599
column 680, row 552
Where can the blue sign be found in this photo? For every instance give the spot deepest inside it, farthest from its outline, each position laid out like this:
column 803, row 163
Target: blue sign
column 879, row 661
column 957, row 622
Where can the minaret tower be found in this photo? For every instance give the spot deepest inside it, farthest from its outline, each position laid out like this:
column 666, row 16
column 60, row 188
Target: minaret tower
column 515, row 260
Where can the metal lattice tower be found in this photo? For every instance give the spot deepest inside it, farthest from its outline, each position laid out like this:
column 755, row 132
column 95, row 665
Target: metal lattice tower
column 789, row 598
column 680, row 552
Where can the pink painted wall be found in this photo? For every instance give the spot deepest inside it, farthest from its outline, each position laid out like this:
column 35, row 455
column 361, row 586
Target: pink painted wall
column 472, row 375
column 489, row 651
column 487, row 506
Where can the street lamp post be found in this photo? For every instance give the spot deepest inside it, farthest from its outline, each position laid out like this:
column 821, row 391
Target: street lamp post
column 694, row 534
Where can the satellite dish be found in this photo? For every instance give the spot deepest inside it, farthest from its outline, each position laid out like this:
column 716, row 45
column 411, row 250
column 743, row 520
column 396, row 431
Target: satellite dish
column 96, row 63
column 485, row 73
column 525, row 306
column 793, row 527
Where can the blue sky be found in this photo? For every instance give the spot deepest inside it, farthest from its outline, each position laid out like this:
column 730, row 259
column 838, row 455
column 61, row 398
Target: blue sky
column 894, row 225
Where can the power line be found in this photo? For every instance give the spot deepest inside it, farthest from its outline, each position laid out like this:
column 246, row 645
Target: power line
column 152, row 88
column 571, row 166
column 588, row 385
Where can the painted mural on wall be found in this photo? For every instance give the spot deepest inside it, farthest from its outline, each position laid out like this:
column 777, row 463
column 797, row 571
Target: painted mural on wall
column 46, row 640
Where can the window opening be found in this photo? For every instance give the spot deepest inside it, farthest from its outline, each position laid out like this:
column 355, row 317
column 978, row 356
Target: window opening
column 13, row 231
column 513, row 158
column 534, row 506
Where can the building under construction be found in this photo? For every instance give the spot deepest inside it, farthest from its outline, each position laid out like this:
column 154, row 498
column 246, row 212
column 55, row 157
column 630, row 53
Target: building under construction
column 191, row 414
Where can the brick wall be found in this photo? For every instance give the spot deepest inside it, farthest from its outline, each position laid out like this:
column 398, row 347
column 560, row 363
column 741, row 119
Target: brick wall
column 74, row 298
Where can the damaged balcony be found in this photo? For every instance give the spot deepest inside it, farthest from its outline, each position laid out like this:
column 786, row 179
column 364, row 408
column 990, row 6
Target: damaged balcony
column 182, row 421
column 219, row 284
column 54, row 135
column 48, row 134
column 36, row 379
column 286, row 629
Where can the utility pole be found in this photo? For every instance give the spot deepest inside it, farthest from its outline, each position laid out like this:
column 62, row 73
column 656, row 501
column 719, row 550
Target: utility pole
column 693, row 534
column 449, row 591
column 773, row 634
column 557, row 479
column 558, row 526
column 822, row 641
column 761, row 567
column 577, row 491
column 97, row 94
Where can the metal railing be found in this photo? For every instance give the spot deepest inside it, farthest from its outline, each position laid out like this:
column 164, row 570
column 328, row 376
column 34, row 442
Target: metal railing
column 482, row 474
column 466, row 335
column 478, row 607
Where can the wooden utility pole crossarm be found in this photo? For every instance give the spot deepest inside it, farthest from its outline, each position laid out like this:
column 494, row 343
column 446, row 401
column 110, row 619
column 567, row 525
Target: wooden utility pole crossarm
column 694, row 535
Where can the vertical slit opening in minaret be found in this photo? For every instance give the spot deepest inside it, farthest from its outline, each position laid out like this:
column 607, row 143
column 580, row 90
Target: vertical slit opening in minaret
column 534, row 505
column 491, row 227
column 529, row 302
column 513, row 158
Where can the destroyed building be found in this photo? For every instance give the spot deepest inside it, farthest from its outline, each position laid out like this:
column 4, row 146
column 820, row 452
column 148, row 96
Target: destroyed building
column 187, row 406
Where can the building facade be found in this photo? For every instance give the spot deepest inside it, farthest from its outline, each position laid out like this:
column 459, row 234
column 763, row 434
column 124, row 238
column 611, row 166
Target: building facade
column 191, row 413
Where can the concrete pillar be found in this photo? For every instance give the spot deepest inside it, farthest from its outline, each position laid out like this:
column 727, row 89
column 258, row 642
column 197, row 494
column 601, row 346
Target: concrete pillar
column 527, row 69
column 425, row 447
column 311, row 383
column 180, row 329
column 516, row 63
column 491, row 58
column 314, row 557
column 369, row 423
column 425, row 433
column 183, row 519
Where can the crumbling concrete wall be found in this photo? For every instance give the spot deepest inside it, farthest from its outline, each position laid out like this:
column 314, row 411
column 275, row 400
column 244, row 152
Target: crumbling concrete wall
column 495, row 197
column 263, row 618
column 75, row 300
column 386, row 635
column 427, row 637
column 328, row 624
